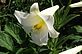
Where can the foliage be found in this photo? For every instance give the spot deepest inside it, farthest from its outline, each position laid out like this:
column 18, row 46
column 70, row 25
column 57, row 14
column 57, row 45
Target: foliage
column 14, row 40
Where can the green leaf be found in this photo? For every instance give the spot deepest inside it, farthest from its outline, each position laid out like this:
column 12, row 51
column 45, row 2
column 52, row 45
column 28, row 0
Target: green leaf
column 3, row 53
column 62, row 40
column 75, row 37
column 62, row 17
column 78, row 28
column 69, row 18
column 26, row 51
column 20, row 51
column 6, row 41
column 13, row 30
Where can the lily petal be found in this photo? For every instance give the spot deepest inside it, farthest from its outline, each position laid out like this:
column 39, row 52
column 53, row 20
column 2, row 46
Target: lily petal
column 74, row 50
column 40, row 37
column 19, row 15
column 53, row 33
column 34, row 8
column 50, row 11
column 49, row 20
column 29, row 21
column 78, row 4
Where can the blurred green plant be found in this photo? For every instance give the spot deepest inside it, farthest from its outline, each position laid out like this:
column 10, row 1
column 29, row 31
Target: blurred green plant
column 6, row 41
column 62, row 17
column 13, row 39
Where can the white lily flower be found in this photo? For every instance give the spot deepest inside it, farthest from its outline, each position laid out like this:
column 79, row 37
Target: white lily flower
column 38, row 23
column 78, row 4
column 74, row 50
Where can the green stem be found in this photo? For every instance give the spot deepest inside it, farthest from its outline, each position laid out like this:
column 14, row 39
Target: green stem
column 51, row 3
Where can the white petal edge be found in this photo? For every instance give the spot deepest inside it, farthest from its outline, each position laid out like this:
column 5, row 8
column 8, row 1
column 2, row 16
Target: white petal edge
column 78, row 4
column 50, row 11
column 19, row 15
column 34, row 8
column 74, row 50
column 53, row 33
column 49, row 20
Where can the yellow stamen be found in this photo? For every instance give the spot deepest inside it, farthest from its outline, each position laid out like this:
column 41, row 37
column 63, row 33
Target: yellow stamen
column 38, row 26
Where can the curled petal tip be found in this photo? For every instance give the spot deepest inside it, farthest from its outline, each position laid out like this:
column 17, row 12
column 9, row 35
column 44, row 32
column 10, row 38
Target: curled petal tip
column 78, row 4
column 16, row 13
column 53, row 33
column 34, row 8
column 57, row 34
column 57, row 6
column 19, row 15
column 51, row 10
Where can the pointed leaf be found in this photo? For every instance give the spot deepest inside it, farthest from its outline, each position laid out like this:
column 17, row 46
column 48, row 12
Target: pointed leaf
column 12, row 29
column 6, row 41
column 69, row 18
column 3, row 53
column 62, row 17
column 78, row 28
column 26, row 51
column 20, row 51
